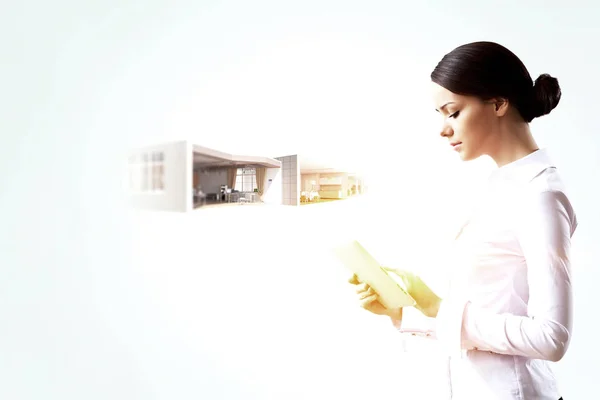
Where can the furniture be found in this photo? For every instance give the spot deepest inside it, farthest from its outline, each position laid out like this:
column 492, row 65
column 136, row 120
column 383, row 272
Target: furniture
column 331, row 194
column 249, row 197
column 309, row 196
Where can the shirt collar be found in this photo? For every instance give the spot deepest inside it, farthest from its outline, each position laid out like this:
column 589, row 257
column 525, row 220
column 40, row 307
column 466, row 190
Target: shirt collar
column 524, row 169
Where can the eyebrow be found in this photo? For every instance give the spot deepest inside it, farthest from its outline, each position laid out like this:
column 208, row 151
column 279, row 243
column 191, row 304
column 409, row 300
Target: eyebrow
column 444, row 106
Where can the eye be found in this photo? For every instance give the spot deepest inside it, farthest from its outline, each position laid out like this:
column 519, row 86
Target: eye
column 454, row 115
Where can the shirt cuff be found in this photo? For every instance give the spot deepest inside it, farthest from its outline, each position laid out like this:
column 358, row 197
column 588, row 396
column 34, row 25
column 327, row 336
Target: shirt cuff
column 418, row 341
column 449, row 325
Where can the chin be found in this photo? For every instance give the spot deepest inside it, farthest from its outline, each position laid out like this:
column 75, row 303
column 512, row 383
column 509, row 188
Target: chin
column 465, row 156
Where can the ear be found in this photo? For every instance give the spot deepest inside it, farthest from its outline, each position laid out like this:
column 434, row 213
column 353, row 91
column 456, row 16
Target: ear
column 500, row 106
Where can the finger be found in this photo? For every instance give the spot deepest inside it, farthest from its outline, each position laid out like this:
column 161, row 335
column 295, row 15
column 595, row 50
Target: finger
column 366, row 288
column 366, row 293
column 403, row 274
column 367, row 301
column 396, row 271
column 400, row 276
column 354, row 279
column 363, row 287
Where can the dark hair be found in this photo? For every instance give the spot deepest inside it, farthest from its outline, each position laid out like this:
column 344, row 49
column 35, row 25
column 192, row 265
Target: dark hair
column 487, row 70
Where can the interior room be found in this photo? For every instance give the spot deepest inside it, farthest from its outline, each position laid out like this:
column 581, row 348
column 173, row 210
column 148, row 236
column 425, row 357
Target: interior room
column 226, row 179
column 326, row 186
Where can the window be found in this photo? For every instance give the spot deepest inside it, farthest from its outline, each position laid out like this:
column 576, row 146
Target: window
column 245, row 181
column 147, row 172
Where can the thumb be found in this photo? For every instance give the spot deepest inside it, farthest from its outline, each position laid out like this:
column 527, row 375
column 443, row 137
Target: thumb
column 401, row 277
column 400, row 272
column 390, row 269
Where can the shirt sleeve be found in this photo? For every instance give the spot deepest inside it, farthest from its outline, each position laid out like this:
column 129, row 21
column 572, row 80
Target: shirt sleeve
column 417, row 332
column 544, row 232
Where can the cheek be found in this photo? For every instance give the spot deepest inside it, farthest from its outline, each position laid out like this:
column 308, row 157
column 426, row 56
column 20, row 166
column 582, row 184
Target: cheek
column 473, row 129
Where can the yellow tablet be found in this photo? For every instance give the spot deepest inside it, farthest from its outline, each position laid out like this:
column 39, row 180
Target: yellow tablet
column 389, row 288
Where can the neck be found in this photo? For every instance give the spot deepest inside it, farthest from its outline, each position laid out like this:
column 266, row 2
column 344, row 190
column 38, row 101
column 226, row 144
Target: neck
column 514, row 142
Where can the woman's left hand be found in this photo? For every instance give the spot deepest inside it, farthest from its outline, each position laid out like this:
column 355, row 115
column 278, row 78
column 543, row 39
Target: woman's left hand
column 427, row 301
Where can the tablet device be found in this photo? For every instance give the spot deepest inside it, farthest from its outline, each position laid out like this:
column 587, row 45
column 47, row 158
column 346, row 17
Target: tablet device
column 388, row 286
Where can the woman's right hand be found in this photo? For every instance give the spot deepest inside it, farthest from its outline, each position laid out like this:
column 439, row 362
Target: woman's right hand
column 369, row 300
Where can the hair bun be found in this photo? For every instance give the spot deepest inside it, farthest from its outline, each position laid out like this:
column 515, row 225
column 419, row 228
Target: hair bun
column 546, row 95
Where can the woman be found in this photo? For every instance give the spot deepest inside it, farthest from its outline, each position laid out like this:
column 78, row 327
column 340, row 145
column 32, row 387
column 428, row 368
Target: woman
column 508, row 313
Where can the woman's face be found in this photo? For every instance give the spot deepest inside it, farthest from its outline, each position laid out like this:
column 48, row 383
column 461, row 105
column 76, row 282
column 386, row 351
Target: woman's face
column 468, row 122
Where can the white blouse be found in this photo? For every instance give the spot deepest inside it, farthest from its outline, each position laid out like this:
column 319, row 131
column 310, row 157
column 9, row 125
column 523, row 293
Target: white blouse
column 508, row 312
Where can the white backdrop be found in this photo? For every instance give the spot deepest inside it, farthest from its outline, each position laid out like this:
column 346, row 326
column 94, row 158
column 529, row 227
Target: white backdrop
column 96, row 303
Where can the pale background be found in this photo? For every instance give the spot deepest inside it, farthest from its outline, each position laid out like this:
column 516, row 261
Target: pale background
column 97, row 302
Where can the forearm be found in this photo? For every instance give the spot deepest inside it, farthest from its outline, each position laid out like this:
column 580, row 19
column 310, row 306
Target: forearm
column 414, row 322
column 462, row 325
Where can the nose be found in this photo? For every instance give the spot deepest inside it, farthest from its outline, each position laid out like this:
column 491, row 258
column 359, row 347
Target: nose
column 446, row 131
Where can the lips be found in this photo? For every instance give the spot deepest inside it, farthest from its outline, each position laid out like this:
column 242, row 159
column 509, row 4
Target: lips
column 456, row 146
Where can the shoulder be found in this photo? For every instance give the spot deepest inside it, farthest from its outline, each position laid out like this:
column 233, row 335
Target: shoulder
column 545, row 196
column 547, row 180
